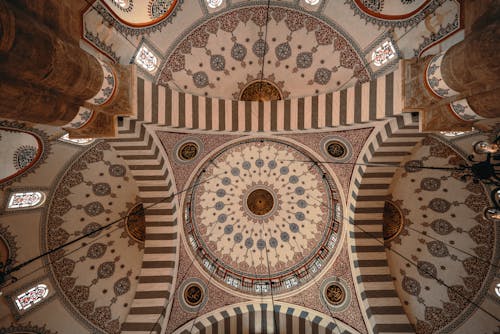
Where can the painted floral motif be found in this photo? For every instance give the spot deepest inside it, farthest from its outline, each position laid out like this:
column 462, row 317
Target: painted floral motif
column 200, row 79
column 435, row 80
column 278, row 213
column 453, row 215
column 86, row 198
column 217, row 63
column 193, row 75
column 24, row 155
column 158, row 8
column 430, row 184
column 383, row 53
column 411, row 286
column 238, row 51
column 146, row 59
column 283, row 51
column 19, row 200
column 462, row 109
column 322, row 76
column 107, row 87
column 260, row 48
column 442, row 227
column 439, row 205
column 31, row 297
column 81, row 118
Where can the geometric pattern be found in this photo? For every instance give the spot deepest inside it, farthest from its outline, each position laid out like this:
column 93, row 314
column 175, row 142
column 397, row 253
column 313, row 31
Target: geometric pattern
column 369, row 191
column 374, row 100
column 153, row 177
column 258, row 318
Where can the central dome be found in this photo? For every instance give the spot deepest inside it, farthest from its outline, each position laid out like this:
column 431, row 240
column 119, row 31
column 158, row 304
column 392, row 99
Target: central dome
column 227, row 56
column 260, row 202
column 258, row 211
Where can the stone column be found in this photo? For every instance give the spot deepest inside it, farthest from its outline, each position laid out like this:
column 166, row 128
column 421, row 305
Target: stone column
column 37, row 56
column 47, row 77
column 472, row 67
column 462, row 83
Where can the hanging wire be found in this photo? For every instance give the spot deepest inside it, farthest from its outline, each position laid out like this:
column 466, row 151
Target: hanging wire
column 264, row 51
column 93, row 232
column 271, row 288
column 425, row 270
column 376, row 164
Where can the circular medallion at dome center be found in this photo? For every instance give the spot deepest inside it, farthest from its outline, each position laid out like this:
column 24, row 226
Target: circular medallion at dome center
column 260, row 202
column 258, row 209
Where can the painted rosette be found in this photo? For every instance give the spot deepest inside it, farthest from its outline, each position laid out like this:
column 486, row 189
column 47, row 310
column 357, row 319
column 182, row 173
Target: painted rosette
column 258, row 197
column 108, row 86
column 83, row 116
column 462, row 110
column 434, row 78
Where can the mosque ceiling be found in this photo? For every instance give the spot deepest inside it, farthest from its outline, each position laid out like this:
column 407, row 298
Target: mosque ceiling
column 95, row 279
column 308, row 49
column 444, row 233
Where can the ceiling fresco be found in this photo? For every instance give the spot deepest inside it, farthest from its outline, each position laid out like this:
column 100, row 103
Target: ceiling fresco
column 441, row 216
column 304, row 55
column 96, row 278
column 255, row 212
column 22, row 149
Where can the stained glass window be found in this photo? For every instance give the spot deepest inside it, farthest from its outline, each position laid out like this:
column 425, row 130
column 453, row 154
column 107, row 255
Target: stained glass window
column 383, row 53
column 146, row 59
column 31, row 297
column 28, row 199
column 121, row 3
column 214, row 3
column 77, row 141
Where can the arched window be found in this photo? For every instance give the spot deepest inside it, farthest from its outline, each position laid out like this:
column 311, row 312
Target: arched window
column 214, row 3
column 383, row 53
column 29, row 199
column 31, row 297
column 76, row 141
column 146, row 59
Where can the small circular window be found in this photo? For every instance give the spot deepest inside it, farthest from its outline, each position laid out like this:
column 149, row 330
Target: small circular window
column 335, row 294
column 336, row 149
column 193, row 294
column 188, row 151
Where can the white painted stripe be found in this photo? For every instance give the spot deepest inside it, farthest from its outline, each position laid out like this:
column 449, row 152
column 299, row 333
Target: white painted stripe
column 161, row 105
column 365, row 102
column 188, row 111
column 148, row 101
column 293, row 114
column 241, row 115
column 175, row 108
column 381, row 97
column 350, row 106
column 336, row 109
column 202, row 119
column 229, row 115
column 398, row 94
column 215, row 114
column 307, row 112
column 321, row 110
column 255, row 116
column 267, row 117
column 280, row 108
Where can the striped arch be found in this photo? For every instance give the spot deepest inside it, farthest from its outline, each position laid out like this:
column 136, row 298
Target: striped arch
column 258, row 318
column 370, row 101
column 152, row 174
column 369, row 189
